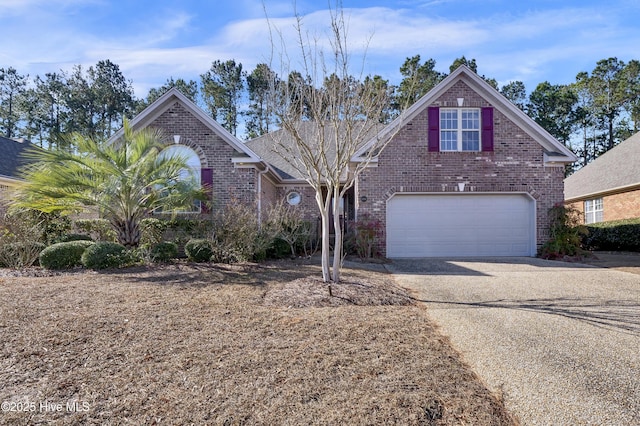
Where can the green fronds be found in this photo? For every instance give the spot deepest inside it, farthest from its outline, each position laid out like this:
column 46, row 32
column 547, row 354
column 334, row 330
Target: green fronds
column 125, row 179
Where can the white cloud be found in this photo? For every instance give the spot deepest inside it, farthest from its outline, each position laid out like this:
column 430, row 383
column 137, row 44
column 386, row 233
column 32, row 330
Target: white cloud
column 532, row 46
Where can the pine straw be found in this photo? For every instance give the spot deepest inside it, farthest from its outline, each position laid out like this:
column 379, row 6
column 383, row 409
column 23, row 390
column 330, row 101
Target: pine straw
column 212, row 344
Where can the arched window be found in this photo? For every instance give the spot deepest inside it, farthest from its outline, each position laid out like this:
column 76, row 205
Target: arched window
column 192, row 159
column 193, row 170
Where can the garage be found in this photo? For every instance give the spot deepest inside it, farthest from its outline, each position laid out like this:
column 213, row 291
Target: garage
column 460, row 225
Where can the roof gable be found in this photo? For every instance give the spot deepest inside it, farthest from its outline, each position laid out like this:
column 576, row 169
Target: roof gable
column 164, row 102
column 613, row 171
column 555, row 151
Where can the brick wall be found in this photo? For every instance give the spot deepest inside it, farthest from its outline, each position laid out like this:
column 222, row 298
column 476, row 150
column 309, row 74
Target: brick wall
column 515, row 165
column 624, row 205
column 228, row 181
column 269, row 194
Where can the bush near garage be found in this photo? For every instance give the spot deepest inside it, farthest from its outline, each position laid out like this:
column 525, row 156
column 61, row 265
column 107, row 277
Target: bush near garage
column 619, row 235
column 64, row 255
column 565, row 233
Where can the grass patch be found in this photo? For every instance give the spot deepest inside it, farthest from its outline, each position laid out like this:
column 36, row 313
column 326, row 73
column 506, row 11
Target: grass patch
column 229, row 344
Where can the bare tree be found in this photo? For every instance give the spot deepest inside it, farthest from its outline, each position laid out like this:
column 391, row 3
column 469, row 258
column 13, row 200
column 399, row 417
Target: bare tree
column 332, row 128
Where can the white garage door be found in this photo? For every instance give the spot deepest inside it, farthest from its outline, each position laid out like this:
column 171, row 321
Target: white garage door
column 460, row 225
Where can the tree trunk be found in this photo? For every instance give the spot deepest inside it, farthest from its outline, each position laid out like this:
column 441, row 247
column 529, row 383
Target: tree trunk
column 324, row 215
column 128, row 232
column 337, row 244
column 611, row 136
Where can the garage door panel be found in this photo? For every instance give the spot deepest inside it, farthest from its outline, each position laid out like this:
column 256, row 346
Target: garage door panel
column 460, row 225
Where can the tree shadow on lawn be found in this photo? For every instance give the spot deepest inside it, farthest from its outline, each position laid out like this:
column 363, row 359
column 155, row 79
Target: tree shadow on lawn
column 189, row 274
column 618, row 315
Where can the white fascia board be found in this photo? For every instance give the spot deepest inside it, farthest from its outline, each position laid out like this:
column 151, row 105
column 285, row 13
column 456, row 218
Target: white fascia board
column 550, row 159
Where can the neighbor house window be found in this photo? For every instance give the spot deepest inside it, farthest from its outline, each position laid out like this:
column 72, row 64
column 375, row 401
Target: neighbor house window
column 193, row 172
column 593, row 210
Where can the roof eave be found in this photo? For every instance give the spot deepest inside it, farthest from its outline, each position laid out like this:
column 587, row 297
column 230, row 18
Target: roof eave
column 555, row 159
column 612, row 191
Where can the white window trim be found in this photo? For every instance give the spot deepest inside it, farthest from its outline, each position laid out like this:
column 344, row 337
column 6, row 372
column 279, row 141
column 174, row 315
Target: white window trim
column 592, row 208
column 459, row 129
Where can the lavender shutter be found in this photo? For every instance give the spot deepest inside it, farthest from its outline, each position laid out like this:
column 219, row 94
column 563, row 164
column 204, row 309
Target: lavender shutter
column 487, row 128
column 434, row 129
column 206, row 180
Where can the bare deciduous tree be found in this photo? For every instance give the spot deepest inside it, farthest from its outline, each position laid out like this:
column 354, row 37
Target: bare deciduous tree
column 333, row 122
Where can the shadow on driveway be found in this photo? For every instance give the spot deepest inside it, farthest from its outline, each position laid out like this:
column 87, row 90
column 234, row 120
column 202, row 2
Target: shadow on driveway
column 467, row 266
column 610, row 314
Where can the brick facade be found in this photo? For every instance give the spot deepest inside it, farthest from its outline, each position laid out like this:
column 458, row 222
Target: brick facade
column 623, row 205
column 515, row 165
column 228, row 181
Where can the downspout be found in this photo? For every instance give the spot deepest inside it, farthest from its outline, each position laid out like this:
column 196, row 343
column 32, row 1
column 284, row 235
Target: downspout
column 260, row 174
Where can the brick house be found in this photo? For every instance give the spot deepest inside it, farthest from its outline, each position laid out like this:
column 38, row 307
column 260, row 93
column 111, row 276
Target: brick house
column 466, row 173
column 608, row 188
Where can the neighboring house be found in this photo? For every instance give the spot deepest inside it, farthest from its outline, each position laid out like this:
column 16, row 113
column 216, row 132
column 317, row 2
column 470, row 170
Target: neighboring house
column 11, row 159
column 608, row 188
column 466, row 174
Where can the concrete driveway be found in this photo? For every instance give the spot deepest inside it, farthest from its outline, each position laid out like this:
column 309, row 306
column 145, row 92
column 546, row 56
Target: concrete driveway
column 560, row 342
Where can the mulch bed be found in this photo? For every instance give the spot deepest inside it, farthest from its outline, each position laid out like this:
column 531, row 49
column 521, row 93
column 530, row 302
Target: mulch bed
column 223, row 345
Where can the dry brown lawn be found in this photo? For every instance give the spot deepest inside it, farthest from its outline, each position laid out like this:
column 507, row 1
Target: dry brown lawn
column 215, row 344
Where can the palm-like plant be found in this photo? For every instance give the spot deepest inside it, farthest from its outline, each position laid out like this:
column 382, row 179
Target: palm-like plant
column 123, row 180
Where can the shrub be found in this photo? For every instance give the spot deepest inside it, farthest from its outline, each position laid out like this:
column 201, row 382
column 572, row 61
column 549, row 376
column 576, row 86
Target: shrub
column 614, row 235
column 287, row 225
column 565, row 232
column 64, row 255
column 198, row 250
column 236, row 229
column 106, row 254
column 98, row 229
column 164, row 251
column 280, row 249
column 365, row 236
column 73, row 237
column 24, row 234
column 152, row 230
column 224, row 255
column 22, row 254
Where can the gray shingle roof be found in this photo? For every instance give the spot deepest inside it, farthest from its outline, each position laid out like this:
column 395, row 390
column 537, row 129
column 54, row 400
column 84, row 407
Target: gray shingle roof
column 265, row 147
column 617, row 168
column 11, row 156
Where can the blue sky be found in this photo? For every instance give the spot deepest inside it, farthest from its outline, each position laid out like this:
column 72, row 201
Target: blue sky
column 532, row 41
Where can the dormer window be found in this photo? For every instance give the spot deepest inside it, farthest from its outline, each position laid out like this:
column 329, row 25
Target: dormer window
column 459, row 129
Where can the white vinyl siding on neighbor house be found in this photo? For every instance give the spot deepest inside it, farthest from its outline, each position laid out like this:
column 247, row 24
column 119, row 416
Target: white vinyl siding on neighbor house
column 594, row 210
column 460, row 129
column 460, row 225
